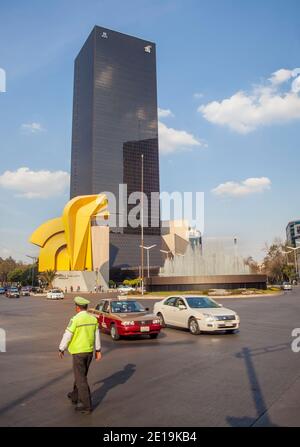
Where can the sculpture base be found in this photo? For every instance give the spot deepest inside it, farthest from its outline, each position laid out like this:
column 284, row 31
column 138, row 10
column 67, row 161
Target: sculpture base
column 79, row 281
column 185, row 283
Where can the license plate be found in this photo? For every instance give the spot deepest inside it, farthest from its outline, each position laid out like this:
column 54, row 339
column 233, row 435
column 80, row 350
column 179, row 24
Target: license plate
column 145, row 328
column 228, row 324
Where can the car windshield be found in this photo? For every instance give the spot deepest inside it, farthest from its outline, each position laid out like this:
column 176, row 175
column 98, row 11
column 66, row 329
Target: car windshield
column 201, row 302
column 126, row 307
column 56, row 291
column 14, row 289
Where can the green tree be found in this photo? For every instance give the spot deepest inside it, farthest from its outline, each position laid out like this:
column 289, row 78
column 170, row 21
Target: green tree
column 111, row 283
column 30, row 275
column 6, row 266
column 276, row 263
column 289, row 272
column 132, row 282
column 48, row 277
column 15, row 275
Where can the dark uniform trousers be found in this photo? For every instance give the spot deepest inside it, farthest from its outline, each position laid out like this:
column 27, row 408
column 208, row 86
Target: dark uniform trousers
column 81, row 391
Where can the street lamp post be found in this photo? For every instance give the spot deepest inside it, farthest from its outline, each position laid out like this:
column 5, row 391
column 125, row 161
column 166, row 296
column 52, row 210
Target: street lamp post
column 142, row 223
column 287, row 257
column 148, row 257
column 34, row 259
column 295, row 259
column 287, row 253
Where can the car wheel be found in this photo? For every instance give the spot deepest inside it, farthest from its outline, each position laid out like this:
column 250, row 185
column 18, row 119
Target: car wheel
column 193, row 326
column 162, row 320
column 153, row 335
column 114, row 332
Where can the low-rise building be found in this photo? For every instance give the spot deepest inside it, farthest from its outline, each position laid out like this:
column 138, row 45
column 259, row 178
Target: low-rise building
column 293, row 233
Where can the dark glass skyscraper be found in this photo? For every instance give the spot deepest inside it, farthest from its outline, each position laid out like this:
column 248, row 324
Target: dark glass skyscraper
column 114, row 122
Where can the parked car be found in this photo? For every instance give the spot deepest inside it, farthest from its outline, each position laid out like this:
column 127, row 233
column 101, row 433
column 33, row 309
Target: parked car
column 125, row 289
column 55, row 294
column 121, row 317
column 287, row 286
column 25, row 291
column 13, row 292
column 196, row 313
column 2, row 291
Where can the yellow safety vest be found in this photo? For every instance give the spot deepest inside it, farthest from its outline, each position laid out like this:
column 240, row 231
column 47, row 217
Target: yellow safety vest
column 83, row 326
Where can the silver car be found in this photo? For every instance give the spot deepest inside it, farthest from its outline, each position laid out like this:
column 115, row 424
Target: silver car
column 196, row 313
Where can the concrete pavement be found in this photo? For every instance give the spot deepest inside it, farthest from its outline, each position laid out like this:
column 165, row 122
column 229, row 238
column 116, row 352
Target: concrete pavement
column 248, row 379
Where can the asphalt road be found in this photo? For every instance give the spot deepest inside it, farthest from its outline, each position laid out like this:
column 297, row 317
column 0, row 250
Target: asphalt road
column 248, row 379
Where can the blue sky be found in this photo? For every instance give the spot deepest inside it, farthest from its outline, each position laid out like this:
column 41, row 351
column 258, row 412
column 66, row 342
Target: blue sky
column 215, row 60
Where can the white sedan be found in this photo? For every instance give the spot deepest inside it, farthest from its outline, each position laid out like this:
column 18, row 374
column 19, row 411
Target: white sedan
column 196, row 313
column 125, row 289
column 287, row 286
column 55, row 294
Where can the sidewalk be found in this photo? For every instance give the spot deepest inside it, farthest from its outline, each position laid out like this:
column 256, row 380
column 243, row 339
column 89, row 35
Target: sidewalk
column 218, row 297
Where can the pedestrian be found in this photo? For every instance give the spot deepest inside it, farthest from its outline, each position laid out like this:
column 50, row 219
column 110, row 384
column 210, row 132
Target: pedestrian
column 66, row 289
column 71, row 289
column 81, row 337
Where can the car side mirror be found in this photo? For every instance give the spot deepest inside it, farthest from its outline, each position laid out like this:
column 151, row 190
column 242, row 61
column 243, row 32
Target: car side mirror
column 181, row 307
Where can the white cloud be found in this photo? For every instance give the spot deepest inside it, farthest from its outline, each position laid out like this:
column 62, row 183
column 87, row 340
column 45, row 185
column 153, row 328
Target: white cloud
column 164, row 113
column 172, row 140
column 266, row 104
column 283, row 75
column 296, row 85
column 35, row 184
column 32, row 127
column 237, row 189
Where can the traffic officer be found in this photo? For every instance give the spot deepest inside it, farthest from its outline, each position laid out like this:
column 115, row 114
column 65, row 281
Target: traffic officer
column 81, row 337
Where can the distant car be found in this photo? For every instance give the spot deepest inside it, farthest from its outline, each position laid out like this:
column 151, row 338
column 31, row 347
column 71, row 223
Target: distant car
column 25, row 291
column 36, row 290
column 55, row 294
column 13, row 292
column 125, row 289
column 286, row 286
column 196, row 313
column 2, row 291
column 121, row 317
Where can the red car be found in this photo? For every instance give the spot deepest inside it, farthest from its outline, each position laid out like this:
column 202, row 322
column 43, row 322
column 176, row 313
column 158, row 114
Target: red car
column 126, row 317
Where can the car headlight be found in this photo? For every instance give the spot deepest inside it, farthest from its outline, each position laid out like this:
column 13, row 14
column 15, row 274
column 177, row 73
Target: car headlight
column 209, row 317
column 128, row 323
column 156, row 321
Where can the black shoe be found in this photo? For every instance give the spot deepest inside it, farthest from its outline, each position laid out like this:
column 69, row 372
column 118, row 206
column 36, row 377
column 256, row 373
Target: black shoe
column 82, row 409
column 70, row 396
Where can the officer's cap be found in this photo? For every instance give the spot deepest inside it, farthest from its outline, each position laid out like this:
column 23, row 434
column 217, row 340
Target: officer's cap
column 81, row 301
